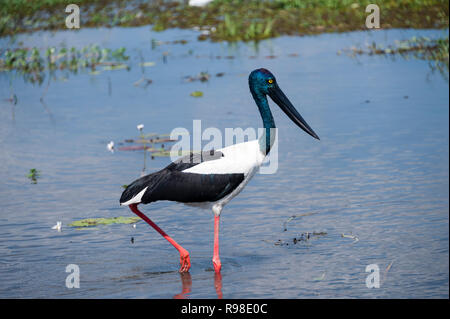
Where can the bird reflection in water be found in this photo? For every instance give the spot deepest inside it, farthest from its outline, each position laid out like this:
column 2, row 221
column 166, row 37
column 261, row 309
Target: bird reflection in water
column 218, row 284
column 186, row 285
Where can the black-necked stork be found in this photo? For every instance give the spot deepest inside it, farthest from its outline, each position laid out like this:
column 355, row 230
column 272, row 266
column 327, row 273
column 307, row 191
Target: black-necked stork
column 211, row 179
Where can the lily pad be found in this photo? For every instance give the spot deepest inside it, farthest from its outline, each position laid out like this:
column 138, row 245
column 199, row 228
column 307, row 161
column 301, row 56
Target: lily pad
column 197, row 94
column 90, row 222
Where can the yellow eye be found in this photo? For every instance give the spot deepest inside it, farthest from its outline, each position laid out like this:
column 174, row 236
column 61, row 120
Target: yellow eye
column 270, row 81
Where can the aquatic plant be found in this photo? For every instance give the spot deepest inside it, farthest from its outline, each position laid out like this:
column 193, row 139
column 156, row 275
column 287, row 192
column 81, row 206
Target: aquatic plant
column 197, row 94
column 140, row 128
column 303, row 237
column 143, row 64
column 435, row 51
column 147, row 142
column 230, row 20
column 31, row 62
column 91, row 222
column 202, row 77
column 33, row 175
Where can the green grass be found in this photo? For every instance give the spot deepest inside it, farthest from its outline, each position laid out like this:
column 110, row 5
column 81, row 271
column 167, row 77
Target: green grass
column 230, row 20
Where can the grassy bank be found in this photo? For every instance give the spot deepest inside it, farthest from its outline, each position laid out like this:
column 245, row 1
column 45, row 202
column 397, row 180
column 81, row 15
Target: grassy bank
column 230, row 20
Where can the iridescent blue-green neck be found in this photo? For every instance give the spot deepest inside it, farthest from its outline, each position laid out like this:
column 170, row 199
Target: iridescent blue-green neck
column 268, row 137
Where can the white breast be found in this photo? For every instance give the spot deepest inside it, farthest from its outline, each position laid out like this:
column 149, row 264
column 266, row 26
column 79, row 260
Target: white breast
column 241, row 158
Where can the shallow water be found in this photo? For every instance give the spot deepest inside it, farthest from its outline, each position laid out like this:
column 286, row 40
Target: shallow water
column 380, row 172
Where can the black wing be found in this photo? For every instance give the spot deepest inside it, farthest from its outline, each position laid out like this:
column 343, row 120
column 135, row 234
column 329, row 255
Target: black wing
column 172, row 184
column 193, row 159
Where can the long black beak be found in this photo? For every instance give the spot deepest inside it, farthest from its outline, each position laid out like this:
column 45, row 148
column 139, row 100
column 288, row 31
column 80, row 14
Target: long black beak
column 283, row 102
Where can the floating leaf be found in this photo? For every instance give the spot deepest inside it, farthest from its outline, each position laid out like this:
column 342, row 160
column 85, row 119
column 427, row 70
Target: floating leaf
column 90, row 222
column 197, row 94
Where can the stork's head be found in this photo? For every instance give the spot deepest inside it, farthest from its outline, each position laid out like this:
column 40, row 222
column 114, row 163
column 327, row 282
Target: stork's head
column 262, row 82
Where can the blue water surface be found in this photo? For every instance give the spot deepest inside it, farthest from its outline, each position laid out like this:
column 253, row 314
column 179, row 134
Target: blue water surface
column 380, row 172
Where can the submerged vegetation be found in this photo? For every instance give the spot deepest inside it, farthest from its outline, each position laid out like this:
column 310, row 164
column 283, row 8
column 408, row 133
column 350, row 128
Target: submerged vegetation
column 435, row 51
column 32, row 63
column 230, row 20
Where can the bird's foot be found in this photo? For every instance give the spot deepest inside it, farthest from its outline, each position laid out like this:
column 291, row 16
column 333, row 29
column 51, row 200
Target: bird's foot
column 217, row 265
column 185, row 261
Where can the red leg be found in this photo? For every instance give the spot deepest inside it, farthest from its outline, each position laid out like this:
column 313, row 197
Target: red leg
column 184, row 254
column 216, row 260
